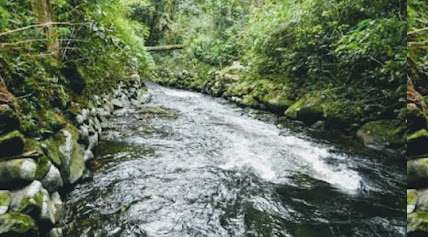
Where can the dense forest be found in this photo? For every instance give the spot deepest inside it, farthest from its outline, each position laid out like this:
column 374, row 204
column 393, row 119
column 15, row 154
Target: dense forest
column 336, row 66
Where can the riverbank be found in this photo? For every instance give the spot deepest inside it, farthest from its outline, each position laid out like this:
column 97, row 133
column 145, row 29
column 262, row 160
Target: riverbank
column 346, row 111
column 36, row 171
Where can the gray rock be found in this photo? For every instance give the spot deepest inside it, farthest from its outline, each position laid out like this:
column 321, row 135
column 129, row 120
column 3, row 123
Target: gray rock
column 56, row 232
column 93, row 141
column 117, row 104
column 72, row 155
column 417, row 171
column 53, row 180
column 13, row 172
column 5, row 199
column 89, row 155
column 56, row 208
column 28, row 198
column 412, row 199
column 80, row 119
column 84, row 134
column 422, row 200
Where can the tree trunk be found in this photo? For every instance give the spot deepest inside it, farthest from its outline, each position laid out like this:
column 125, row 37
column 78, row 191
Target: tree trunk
column 43, row 11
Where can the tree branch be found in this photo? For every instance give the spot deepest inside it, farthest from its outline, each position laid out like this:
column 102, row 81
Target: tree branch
column 40, row 26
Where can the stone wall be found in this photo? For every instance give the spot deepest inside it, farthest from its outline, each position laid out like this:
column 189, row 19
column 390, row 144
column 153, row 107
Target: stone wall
column 417, row 163
column 34, row 172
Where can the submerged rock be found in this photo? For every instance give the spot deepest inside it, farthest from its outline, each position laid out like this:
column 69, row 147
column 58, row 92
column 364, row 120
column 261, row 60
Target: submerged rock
column 153, row 111
column 12, row 144
column 16, row 172
column 15, row 224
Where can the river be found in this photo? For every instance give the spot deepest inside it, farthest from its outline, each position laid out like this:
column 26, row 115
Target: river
column 189, row 165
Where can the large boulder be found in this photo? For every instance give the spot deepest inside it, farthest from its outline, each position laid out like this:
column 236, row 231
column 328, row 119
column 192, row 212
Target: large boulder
column 11, row 144
column 5, row 198
column 17, row 224
column 382, row 134
column 17, row 172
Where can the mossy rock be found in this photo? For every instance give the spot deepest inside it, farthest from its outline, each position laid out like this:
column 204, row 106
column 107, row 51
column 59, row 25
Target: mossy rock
column 382, row 134
column 16, row 172
column 307, row 109
column 43, row 166
column 9, row 119
column 17, row 224
column 51, row 148
column 5, row 199
column 417, row 143
column 54, row 121
column 72, row 155
column 12, row 144
column 417, row 172
column 416, row 118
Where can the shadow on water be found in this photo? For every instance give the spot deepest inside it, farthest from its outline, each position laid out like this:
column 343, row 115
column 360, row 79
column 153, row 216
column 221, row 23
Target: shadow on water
column 188, row 165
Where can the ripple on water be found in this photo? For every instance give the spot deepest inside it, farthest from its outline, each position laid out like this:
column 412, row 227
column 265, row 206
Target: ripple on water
column 208, row 168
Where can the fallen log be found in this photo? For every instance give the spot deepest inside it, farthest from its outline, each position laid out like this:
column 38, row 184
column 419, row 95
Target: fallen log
column 164, row 47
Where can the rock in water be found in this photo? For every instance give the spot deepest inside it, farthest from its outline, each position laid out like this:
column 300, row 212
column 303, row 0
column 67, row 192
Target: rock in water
column 11, row 144
column 16, row 172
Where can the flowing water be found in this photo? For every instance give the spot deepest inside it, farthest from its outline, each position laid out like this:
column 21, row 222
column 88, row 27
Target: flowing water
column 186, row 164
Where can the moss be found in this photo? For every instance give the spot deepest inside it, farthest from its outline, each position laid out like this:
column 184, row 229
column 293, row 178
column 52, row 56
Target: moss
column 17, row 223
column 417, row 222
column 417, row 143
column 52, row 149
column 31, row 145
column 5, row 199
column 382, row 133
column 412, row 198
column 43, row 166
column 307, row 109
column 9, row 119
column 11, row 144
column 54, row 121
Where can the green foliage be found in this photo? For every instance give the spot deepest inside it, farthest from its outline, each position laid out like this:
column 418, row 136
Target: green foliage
column 99, row 45
column 417, row 56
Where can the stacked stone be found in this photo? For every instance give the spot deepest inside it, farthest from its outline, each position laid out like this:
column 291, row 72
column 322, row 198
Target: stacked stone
column 32, row 172
column 417, row 163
